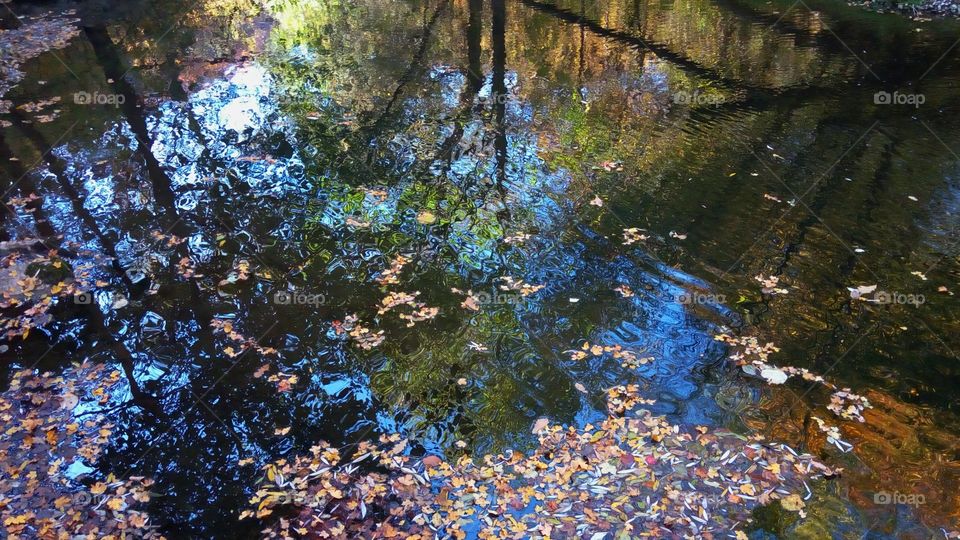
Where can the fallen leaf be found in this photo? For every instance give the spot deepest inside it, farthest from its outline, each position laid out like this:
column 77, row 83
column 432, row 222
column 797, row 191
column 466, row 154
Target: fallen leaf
column 540, row 425
column 69, row 401
column 774, row 375
column 860, row 290
column 792, row 503
column 426, row 217
column 119, row 301
column 431, row 461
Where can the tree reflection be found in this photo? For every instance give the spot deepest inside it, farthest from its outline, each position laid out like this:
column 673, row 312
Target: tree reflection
column 371, row 129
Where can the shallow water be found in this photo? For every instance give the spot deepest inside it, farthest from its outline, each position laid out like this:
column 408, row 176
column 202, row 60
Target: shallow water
column 313, row 142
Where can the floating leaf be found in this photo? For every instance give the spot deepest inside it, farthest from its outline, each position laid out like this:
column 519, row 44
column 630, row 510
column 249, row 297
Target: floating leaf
column 774, row 375
column 426, row 217
column 793, row 503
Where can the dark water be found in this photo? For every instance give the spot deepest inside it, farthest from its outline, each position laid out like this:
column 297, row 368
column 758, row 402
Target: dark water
column 315, row 141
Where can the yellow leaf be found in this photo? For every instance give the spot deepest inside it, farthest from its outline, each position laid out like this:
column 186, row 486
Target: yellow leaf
column 792, row 503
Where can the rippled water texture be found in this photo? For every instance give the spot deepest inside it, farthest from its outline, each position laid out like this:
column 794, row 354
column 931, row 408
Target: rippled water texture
column 298, row 148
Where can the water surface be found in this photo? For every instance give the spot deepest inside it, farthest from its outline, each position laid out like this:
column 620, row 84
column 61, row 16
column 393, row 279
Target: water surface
column 301, row 147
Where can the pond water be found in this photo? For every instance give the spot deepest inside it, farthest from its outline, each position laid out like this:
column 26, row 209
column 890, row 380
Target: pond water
column 265, row 165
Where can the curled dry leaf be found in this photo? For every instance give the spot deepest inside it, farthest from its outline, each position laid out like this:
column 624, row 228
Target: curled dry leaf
column 774, row 375
column 633, row 235
column 426, row 217
column 572, row 485
column 540, row 425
